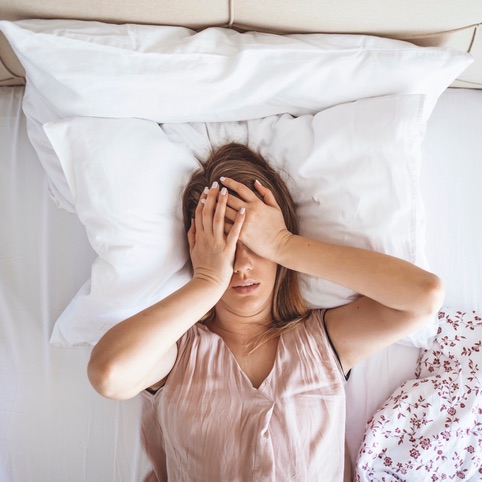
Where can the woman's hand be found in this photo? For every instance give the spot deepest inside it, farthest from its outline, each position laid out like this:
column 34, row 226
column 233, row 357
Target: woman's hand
column 212, row 251
column 264, row 230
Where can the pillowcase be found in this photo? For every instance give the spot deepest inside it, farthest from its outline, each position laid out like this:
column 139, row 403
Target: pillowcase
column 173, row 74
column 353, row 171
column 430, row 427
column 125, row 177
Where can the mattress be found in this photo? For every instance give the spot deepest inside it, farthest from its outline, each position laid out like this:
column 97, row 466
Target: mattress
column 54, row 427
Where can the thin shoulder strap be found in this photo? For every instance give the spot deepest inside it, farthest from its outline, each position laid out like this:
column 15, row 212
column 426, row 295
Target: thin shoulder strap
column 323, row 313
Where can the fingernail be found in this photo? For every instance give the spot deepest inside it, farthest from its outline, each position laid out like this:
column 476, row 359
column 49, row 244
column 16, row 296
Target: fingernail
column 206, row 190
column 222, row 178
column 215, row 185
column 203, row 201
column 224, row 191
column 258, row 182
column 241, row 211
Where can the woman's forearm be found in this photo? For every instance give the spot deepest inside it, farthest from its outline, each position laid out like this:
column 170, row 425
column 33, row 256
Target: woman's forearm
column 140, row 351
column 391, row 281
column 126, row 355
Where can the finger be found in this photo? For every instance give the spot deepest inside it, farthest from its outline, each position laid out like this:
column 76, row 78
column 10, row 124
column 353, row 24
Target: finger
column 227, row 227
column 209, row 207
column 231, row 213
column 243, row 191
column 233, row 236
column 199, row 209
column 266, row 194
column 235, row 203
column 219, row 214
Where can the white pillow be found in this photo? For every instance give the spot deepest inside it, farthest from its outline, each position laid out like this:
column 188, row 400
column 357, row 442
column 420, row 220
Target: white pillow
column 125, row 177
column 354, row 174
column 173, row 74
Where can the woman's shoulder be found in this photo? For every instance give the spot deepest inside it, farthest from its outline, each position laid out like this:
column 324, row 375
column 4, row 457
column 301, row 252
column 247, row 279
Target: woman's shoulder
column 195, row 339
column 310, row 330
column 315, row 330
column 197, row 332
column 314, row 321
column 198, row 340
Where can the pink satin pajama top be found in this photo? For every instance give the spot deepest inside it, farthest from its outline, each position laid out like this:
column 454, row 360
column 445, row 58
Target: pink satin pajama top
column 208, row 423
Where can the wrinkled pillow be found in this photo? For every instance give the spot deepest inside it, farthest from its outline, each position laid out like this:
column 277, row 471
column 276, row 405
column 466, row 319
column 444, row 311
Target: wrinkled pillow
column 125, row 178
column 173, row 74
column 352, row 169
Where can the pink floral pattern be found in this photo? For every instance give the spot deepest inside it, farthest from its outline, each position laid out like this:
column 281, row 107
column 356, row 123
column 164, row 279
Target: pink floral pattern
column 430, row 428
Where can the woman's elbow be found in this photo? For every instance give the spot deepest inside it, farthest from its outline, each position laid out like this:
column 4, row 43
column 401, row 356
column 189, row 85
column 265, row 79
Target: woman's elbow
column 103, row 380
column 432, row 294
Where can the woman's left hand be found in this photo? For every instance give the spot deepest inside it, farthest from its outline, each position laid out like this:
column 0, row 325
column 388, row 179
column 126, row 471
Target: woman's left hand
column 264, row 230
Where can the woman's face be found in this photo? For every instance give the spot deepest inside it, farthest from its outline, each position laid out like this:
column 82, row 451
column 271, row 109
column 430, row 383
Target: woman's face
column 250, row 292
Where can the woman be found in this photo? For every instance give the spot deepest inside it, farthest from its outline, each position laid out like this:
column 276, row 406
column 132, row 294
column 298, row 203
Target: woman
column 255, row 391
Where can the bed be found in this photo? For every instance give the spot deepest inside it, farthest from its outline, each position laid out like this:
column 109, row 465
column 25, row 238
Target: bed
column 76, row 77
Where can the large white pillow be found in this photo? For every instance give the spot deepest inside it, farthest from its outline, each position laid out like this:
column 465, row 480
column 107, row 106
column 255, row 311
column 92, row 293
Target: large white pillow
column 125, row 178
column 354, row 174
column 173, row 74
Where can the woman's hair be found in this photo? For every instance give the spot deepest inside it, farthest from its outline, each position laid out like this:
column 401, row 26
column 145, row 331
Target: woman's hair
column 242, row 164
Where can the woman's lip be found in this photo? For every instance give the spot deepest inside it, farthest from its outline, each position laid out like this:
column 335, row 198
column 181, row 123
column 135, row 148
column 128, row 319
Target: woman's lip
column 245, row 282
column 243, row 289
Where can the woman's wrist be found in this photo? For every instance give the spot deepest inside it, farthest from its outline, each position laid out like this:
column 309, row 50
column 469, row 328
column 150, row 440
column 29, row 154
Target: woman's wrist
column 209, row 284
column 283, row 254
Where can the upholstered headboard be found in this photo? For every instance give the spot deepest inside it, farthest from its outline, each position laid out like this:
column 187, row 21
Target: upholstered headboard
column 452, row 23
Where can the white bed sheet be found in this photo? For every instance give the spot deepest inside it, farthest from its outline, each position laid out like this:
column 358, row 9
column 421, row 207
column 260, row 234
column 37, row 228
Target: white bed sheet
column 53, row 426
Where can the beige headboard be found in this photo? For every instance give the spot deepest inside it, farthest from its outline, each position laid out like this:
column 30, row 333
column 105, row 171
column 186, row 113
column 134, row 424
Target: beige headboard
column 451, row 23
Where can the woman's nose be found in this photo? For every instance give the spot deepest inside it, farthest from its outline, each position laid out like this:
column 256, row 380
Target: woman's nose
column 242, row 259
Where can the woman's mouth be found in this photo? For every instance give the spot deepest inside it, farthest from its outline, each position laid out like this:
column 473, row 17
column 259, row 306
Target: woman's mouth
column 246, row 287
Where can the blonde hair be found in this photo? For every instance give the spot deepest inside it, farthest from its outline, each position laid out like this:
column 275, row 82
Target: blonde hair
column 239, row 162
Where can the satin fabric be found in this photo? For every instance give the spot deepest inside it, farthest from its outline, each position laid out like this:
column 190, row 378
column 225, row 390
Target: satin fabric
column 208, row 422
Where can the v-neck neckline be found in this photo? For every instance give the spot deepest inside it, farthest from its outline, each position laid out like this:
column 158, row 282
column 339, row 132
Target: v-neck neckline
column 236, row 363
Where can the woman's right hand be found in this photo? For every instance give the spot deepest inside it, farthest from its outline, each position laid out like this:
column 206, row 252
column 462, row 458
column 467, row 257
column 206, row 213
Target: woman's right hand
column 212, row 251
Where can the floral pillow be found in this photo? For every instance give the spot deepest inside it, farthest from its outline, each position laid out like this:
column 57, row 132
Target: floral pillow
column 430, row 428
